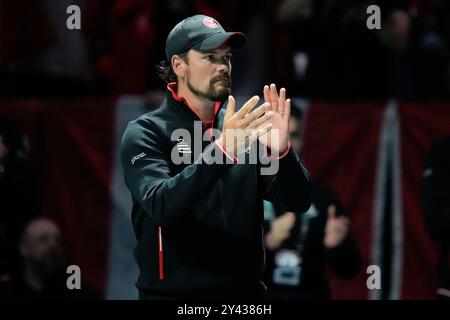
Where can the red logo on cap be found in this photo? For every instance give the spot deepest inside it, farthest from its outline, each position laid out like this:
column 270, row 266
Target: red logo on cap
column 210, row 23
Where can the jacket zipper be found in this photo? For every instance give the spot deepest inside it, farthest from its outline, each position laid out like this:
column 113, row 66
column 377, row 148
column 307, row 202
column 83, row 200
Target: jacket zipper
column 224, row 221
column 222, row 206
column 221, row 195
column 161, row 254
column 220, row 181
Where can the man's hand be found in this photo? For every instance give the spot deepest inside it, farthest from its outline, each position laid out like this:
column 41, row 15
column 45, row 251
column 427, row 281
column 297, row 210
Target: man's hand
column 336, row 228
column 242, row 128
column 280, row 230
column 280, row 119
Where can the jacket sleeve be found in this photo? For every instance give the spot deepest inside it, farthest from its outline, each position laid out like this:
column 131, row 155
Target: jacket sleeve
column 290, row 185
column 163, row 196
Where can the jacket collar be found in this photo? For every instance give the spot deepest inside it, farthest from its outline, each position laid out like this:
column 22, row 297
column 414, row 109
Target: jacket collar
column 180, row 105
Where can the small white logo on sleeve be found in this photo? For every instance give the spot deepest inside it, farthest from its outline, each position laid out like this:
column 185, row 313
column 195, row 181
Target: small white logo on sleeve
column 139, row 156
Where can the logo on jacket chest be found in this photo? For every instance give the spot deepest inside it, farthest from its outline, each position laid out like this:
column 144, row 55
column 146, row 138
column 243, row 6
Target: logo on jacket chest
column 183, row 147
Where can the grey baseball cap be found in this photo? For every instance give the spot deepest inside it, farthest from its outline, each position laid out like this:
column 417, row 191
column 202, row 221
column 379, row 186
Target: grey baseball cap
column 202, row 33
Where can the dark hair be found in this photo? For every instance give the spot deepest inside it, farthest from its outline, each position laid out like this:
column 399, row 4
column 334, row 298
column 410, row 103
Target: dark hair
column 165, row 71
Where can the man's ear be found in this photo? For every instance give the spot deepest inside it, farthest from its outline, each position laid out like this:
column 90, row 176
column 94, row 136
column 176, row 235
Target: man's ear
column 178, row 66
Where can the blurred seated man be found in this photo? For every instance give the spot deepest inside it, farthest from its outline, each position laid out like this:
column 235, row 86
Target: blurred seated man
column 43, row 271
column 301, row 245
column 17, row 182
column 436, row 205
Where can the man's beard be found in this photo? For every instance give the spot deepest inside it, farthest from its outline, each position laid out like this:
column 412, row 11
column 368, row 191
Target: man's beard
column 213, row 94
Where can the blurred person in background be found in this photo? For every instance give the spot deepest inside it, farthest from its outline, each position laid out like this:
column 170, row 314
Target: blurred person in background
column 42, row 274
column 18, row 198
column 40, row 56
column 335, row 56
column 300, row 246
column 413, row 34
column 327, row 50
column 113, row 27
column 436, row 208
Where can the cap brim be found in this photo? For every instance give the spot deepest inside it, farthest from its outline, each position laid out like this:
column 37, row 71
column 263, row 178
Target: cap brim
column 234, row 39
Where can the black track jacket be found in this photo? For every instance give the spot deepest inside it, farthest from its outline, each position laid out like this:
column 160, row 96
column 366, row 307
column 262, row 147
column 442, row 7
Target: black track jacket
column 198, row 225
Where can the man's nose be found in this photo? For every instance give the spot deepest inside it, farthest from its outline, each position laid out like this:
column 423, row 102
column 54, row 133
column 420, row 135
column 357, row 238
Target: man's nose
column 223, row 67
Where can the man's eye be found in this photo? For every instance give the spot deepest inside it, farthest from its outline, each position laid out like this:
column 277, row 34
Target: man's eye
column 209, row 57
